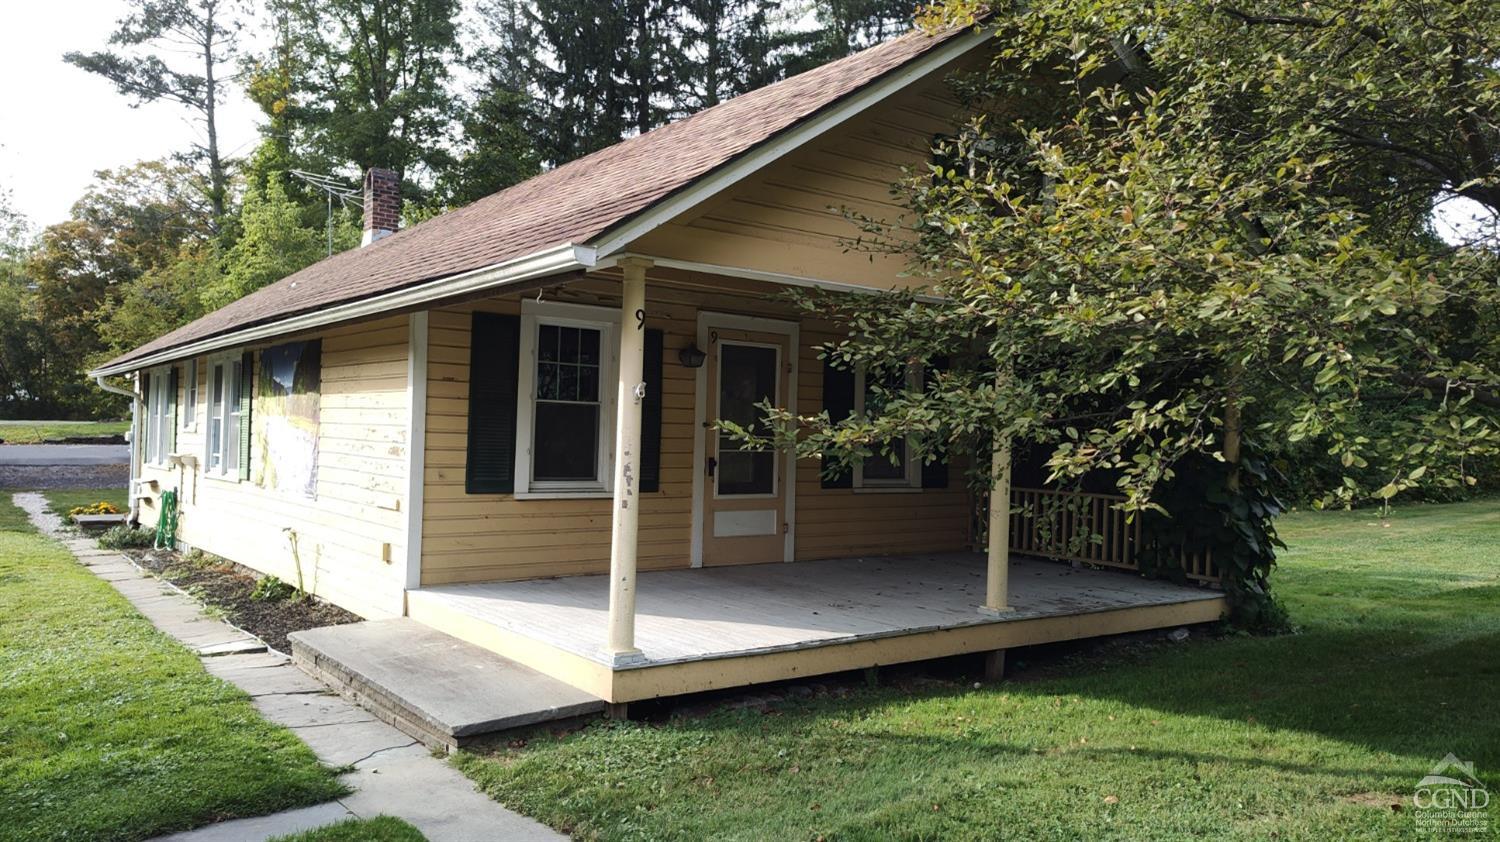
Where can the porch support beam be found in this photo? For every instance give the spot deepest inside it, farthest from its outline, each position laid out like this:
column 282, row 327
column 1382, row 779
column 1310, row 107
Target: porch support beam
column 997, row 576
column 625, row 524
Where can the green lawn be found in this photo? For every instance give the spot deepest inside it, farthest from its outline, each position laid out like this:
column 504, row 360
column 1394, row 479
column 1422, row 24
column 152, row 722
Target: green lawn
column 110, row 729
column 378, row 829
column 60, row 501
column 36, row 432
column 1307, row 736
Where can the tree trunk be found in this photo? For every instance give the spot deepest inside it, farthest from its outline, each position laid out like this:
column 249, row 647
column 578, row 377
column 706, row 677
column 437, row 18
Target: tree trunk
column 216, row 179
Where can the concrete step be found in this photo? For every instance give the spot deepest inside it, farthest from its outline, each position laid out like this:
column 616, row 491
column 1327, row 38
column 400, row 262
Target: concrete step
column 437, row 688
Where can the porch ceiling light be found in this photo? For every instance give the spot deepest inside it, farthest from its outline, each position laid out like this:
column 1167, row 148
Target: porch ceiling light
column 691, row 356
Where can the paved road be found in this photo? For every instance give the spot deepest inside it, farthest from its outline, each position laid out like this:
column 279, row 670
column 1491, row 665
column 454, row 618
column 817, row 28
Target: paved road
column 35, row 455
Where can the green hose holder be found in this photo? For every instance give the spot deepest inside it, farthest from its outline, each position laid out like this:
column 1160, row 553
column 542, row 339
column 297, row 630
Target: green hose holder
column 166, row 524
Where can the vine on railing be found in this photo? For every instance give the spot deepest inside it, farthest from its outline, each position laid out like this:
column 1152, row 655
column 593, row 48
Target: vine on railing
column 1093, row 529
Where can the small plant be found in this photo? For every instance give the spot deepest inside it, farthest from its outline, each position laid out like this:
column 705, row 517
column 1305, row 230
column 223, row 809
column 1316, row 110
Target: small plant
column 197, row 559
column 272, row 589
column 99, row 508
column 123, row 537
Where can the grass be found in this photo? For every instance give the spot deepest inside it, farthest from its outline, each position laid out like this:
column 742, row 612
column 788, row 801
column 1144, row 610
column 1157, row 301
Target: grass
column 39, row 432
column 109, row 729
column 1308, row 736
column 378, row 829
column 60, row 501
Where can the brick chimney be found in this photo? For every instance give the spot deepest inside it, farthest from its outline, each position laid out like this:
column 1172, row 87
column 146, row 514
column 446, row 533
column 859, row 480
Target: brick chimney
column 382, row 204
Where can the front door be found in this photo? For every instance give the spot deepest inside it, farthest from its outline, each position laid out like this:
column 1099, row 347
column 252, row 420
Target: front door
column 744, row 508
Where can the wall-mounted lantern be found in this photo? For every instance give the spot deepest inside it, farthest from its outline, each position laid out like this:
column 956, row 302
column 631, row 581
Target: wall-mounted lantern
column 691, row 357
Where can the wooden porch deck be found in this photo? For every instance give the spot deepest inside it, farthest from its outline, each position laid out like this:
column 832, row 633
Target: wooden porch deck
column 687, row 617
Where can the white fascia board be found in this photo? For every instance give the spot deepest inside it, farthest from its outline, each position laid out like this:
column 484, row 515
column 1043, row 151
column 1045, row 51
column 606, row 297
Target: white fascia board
column 613, row 240
column 779, row 278
column 539, row 264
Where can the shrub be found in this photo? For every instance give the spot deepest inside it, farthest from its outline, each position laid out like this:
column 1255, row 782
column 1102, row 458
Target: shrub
column 272, row 589
column 123, row 537
column 99, row 508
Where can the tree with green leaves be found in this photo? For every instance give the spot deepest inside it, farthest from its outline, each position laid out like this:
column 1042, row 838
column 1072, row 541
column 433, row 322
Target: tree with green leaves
column 131, row 221
column 726, row 48
column 273, row 243
column 500, row 121
column 365, row 82
column 1177, row 241
column 178, row 51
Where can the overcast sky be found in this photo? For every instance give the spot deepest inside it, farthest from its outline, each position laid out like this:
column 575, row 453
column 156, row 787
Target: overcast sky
column 61, row 124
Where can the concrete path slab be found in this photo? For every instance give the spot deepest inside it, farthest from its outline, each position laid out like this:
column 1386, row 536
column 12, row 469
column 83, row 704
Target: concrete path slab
column 393, row 774
column 265, row 827
column 441, row 688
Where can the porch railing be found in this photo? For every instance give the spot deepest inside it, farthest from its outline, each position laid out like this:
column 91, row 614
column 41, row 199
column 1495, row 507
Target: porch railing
column 1088, row 528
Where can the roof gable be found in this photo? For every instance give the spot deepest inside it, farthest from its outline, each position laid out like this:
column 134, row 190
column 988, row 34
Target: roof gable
column 582, row 201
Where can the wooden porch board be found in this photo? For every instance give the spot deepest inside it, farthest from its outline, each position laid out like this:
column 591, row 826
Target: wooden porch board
column 688, row 616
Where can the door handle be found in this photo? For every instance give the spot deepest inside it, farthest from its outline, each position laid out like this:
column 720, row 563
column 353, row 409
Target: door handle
column 712, row 464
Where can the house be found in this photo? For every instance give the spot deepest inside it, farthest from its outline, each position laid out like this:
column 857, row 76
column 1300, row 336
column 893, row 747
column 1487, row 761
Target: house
column 498, row 422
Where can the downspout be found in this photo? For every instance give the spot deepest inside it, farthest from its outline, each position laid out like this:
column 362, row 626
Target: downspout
column 135, row 438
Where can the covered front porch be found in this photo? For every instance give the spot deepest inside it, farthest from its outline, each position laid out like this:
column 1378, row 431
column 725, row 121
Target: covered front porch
column 701, row 629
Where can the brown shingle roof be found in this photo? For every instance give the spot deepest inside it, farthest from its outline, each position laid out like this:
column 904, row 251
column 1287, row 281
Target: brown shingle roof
column 571, row 204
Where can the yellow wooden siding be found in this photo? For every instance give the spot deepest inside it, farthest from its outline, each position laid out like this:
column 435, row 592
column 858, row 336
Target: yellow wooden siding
column 475, row 537
column 790, row 218
column 357, row 520
column 478, row 537
column 834, row 522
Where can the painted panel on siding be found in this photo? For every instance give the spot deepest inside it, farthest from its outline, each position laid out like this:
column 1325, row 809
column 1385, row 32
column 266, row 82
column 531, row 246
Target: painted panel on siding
column 287, row 401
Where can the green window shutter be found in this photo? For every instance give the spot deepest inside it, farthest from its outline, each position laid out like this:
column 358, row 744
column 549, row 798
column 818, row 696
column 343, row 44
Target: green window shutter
column 141, row 438
column 838, row 400
column 247, row 383
column 172, row 385
column 934, row 474
column 494, row 365
column 651, row 414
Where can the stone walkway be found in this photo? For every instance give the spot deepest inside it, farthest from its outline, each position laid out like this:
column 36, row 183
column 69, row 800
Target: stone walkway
column 392, row 774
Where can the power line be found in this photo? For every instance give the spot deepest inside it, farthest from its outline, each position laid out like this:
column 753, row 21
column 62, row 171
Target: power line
column 332, row 186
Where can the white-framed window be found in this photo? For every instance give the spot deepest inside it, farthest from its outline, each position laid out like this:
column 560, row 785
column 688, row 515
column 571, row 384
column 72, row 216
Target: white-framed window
column 189, row 409
column 221, row 457
column 565, row 412
column 898, row 470
column 159, row 413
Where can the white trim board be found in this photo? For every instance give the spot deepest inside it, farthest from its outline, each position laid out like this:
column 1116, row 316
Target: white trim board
column 416, row 444
column 793, row 331
column 778, row 278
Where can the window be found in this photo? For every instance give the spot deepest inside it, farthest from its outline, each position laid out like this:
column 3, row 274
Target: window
column 189, row 409
column 159, row 412
column 748, row 374
column 871, row 391
column 222, row 458
column 565, row 415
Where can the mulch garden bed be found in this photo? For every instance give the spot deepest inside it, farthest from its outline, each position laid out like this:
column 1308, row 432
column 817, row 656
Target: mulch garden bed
column 227, row 587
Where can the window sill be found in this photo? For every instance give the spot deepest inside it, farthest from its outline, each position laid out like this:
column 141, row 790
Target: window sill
column 546, row 494
column 889, row 489
column 230, row 479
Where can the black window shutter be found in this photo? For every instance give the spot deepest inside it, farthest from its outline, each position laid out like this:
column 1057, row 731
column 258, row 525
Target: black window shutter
column 838, row 401
column 651, row 414
column 494, row 365
column 935, row 473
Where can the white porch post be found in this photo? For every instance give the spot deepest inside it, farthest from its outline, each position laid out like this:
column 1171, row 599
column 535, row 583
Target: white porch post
column 627, row 513
column 997, row 578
